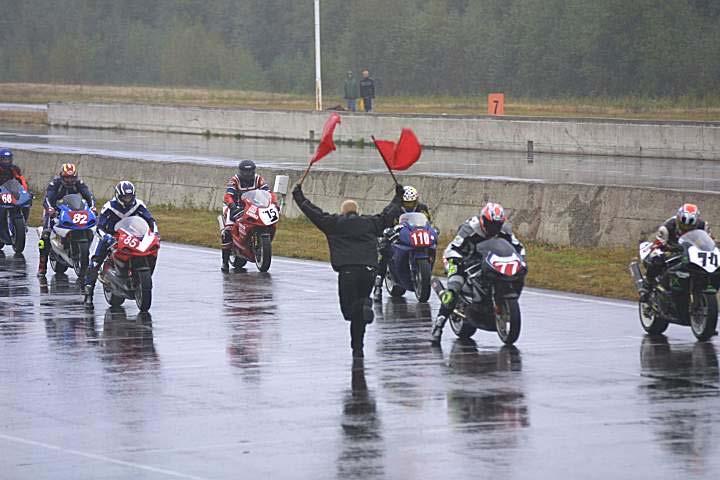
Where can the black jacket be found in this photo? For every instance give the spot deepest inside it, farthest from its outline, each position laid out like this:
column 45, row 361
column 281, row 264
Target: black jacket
column 56, row 190
column 367, row 88
column 352, row 238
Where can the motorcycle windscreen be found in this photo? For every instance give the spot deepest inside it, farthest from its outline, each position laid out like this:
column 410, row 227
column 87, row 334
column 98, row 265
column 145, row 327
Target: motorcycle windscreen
column 259, row 198
column 73, row 201
column 135, row 226
column 413, row 219
column 14, row 187
column 699, row 239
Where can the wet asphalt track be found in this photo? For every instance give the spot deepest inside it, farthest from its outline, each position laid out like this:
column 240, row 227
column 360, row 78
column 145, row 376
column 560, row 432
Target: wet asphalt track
column 250, row 376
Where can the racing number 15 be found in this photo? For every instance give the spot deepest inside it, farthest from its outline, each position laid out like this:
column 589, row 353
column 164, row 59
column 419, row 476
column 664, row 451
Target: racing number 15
column 271, row 214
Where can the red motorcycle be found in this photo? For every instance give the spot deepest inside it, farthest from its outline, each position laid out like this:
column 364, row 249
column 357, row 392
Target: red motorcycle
column 127, row 272
column 254, row 230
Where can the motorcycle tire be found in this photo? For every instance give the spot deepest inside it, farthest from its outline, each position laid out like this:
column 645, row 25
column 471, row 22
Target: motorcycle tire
column 460, row 327
column 652, row 323
column 239, row 263
column 423, row 277
column 704, row 322
column 263, row 252
column 143, row 292
column 393, row 289
column 58, row 266
column 111, row 299
column 81, row 263
column 19, row 234
column 508, row 321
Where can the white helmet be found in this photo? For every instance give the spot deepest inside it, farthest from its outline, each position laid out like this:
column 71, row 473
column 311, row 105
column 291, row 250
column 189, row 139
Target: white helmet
column 410, row 197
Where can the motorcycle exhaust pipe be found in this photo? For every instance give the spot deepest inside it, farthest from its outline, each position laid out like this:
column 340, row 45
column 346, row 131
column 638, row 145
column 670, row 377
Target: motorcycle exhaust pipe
column 637, row 276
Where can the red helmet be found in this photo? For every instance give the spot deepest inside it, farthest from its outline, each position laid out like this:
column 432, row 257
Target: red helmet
column 687, row 217
column 68, row 173
column 492, row 218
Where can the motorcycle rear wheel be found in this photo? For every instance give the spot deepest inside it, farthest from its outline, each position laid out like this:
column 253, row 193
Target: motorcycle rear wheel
column 703, row 316
column 58, row 266
column 143, row 292
column 508, row 321
column 461, row 327
column 111, row 299
column 423, row 277
column 652, row 323
column 19, row 234
column 81, row 263
column 263, row 252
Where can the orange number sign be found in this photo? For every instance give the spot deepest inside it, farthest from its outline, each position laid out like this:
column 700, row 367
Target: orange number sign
column 496, row 104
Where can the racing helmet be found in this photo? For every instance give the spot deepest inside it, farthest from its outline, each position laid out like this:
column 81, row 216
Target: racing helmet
column 410, row 198
column 687, row 217
column 68, row 174
column 6, row 157
column 492, row 219
column 246, row 172
column 125, row 193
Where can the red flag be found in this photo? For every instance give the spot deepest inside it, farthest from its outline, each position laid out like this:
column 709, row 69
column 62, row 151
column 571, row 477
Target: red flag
column 327, row 144
column 402, row 155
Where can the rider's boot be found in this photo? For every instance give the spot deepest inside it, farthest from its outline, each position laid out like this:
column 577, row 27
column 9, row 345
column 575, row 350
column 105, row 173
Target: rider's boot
column 43, row 246
column 90, row 279
column 42, row 266
column 437, row 329
column 377, row 292
column 225, row 268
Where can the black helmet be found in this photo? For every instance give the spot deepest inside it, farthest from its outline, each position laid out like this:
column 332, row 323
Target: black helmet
column 6, row 156
column 125, row 193
column 246, row 171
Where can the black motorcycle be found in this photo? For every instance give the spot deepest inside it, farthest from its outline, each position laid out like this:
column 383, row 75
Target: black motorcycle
column 495, row 276
column 686, row 292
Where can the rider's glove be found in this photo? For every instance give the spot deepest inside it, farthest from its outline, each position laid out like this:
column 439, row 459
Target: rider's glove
column 452, row 267
column 235, row 211
column 50, row 211
column 399, row 190
column 447, row 297
column 94, row 210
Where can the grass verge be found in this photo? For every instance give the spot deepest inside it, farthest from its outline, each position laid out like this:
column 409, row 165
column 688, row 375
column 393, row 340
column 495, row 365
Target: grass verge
column 681, row 108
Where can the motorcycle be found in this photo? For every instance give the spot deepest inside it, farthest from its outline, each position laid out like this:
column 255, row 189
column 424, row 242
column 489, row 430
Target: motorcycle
column 14, row 200
column 71, row 235
column 253, row 232
column 413, row 257
column 686, row 291
column 127, row 272
column 495, row 276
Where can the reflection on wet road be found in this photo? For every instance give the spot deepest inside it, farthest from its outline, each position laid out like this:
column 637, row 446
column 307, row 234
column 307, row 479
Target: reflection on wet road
column 251, row 376
column 597, row 170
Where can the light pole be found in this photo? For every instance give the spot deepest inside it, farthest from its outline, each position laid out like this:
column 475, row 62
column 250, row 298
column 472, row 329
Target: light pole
column 318, row 73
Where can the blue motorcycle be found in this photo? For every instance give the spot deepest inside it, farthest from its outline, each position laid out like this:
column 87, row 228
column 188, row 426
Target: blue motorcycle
column 413, row 256
column 72, row 235
column 14, row 202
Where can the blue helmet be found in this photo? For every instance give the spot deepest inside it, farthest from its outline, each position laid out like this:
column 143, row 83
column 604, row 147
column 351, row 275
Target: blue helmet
column 125, row 193
column 6, row 156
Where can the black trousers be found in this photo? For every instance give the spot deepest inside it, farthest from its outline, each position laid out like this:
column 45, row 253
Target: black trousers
column 368, row 103
column 355, row 284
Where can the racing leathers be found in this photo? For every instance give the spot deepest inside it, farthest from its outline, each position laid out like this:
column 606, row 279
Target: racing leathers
column 55, row 192
column 111, row 213
column 666, row 240
column 463, row 246
column 13, row 172
column 389, row 235
column 234, row 208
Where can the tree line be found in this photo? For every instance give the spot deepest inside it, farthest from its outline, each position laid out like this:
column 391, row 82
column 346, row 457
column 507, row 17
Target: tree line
column 533, row 48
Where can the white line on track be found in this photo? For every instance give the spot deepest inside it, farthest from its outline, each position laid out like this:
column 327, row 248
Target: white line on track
column 101, row 458
column 325, row 266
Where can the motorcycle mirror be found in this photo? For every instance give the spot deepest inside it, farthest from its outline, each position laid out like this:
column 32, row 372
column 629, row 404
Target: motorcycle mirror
column 281, row 184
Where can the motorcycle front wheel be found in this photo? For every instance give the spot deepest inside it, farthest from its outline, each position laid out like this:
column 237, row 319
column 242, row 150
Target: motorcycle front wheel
column 507, row 320
column 422, row 279
column 58, row 266
column 263, row 252
column 82, row 260
column 110, row 298
column 18, row 235
column 392, row 288
column 650, row 320
column 703, row 315
column 143, row 291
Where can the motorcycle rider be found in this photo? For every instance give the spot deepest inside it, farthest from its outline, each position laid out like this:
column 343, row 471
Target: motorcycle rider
column 65, row 183
column 123, row 205
column 488, row 224
column 410, row 203
column 10, row 171
column 244, row 181
column 686, row 218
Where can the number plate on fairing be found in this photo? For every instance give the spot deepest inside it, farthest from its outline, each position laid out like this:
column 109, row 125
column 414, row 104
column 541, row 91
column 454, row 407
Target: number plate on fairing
column 269, row 215
column 708, row 261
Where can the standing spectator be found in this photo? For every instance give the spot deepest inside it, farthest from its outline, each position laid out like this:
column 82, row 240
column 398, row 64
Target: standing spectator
column 352, row 239
column 367, row 90
column 351, row 91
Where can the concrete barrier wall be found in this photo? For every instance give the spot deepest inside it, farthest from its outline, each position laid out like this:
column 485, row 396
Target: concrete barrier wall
column 696, row 140
column 553, row 213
